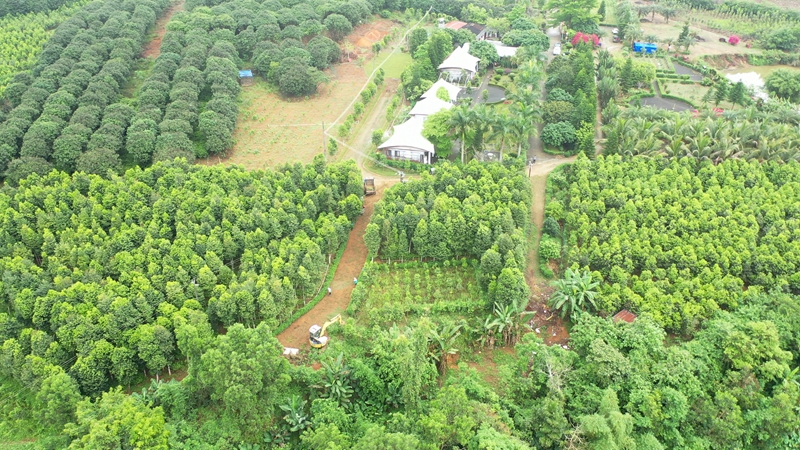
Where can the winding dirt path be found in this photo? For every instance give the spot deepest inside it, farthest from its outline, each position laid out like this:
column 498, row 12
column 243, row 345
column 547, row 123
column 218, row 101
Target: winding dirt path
column 353, row 259
column 153, row 48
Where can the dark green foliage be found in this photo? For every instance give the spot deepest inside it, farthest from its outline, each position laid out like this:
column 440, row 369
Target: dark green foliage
column 338, row 26
column 558, row 134
column 99, row 161
column 20, row 168
column 296, row 79
column 525, row 38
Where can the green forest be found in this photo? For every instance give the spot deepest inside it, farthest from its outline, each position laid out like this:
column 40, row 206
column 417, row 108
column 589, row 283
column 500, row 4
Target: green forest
column 636, row 289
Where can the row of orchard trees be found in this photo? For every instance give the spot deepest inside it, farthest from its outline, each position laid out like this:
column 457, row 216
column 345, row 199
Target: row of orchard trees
column 18, row 7
column 23, row 37
column 680, row 239
column 480, row 211
column 60, row 112
column 98, row 274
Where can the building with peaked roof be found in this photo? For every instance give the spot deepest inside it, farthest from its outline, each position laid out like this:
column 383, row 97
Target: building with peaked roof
column 460, row 65
column 408, row 144
column 428, row 106
column 452, row 90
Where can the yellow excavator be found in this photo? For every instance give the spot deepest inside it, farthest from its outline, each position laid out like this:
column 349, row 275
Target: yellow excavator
column 317, row 337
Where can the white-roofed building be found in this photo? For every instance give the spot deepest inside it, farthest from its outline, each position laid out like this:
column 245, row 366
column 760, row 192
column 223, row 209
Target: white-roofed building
column 428, row 106
column 504, row 51
column 407, row 143
column 452, row 90
column 460, row 65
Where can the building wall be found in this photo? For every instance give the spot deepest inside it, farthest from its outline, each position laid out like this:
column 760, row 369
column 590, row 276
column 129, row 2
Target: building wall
column 407, row 154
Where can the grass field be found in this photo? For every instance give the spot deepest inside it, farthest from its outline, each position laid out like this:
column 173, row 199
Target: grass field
column 272, row 130
column 395, row 63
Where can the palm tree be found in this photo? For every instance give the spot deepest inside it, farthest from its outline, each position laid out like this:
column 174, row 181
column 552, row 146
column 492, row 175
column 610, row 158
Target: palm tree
column 521, row 129
column 574, row 291
column 482, row 117
column 461, row 124
column 502, row 127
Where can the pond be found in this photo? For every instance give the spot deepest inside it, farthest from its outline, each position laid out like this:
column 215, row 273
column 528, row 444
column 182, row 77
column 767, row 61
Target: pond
column 496, row 94
column 753, row 77
column 666, row 103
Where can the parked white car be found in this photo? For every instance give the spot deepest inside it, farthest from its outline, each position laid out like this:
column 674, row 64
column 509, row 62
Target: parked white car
column 557, row 49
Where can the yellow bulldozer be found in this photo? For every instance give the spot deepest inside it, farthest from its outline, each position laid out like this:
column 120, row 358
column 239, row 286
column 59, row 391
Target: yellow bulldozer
column 317, row 337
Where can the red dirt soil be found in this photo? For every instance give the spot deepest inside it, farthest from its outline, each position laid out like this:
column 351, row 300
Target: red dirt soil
column 353, row 259
column 364, row 35
column 153, row 48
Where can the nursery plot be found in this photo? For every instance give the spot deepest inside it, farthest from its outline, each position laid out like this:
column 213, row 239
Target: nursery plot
column 397, row 291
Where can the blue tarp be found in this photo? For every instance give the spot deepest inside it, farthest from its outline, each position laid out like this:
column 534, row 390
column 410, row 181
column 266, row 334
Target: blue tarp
column 644, row 47
column 245, row 74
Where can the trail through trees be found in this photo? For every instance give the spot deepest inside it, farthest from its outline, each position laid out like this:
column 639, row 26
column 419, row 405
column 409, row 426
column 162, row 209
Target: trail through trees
column 353, row 259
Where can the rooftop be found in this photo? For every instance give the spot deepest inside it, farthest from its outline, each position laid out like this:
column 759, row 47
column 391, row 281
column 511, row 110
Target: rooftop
column 625, row 316
column 409, row 134
column 429, row 105
column 460, row 59
column 451, row 89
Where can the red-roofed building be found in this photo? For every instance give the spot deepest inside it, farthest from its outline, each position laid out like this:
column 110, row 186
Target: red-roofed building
column 477, row 29
column 625, row 316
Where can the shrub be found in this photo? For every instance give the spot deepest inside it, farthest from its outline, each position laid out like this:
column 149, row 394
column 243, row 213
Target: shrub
column 733, row 40
column 551, row 227
column 558, row 134
column 549, row 248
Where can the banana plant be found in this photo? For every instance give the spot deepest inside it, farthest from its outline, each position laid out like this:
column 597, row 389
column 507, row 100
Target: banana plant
column 295, row 417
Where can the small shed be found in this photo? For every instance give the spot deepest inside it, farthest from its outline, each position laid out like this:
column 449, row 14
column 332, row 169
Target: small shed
column 624, row 316
column 645, row 47
column 246, row 78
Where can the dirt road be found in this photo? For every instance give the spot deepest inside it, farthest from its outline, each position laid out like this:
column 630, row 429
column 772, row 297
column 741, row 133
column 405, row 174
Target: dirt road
column 353, row 259
column 153, row 48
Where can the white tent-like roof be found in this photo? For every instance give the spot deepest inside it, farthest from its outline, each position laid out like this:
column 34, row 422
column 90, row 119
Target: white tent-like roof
column 451, row 89
column 409, row 135
column 503, row 51
column 428, row 106
column 460, row 59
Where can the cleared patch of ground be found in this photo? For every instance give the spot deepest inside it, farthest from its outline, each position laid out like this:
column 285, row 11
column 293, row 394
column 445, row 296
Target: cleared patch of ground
column 272, row 130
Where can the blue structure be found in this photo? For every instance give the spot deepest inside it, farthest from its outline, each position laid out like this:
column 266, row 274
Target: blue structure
column 246, row 77
column 645, row 47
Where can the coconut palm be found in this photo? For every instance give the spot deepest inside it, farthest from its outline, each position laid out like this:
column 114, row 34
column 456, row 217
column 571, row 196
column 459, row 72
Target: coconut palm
column 574, row 292
column 461, row 124
column 521, row 131
column 502, row 127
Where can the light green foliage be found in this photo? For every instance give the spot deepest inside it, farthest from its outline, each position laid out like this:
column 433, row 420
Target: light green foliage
column 245, row 372
column 784, row 84
column 669, row 134
column 134, row 307
column 468, row 212
column 117, row 420
column 742, row 253
column 437, row 130
column 574, row 292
